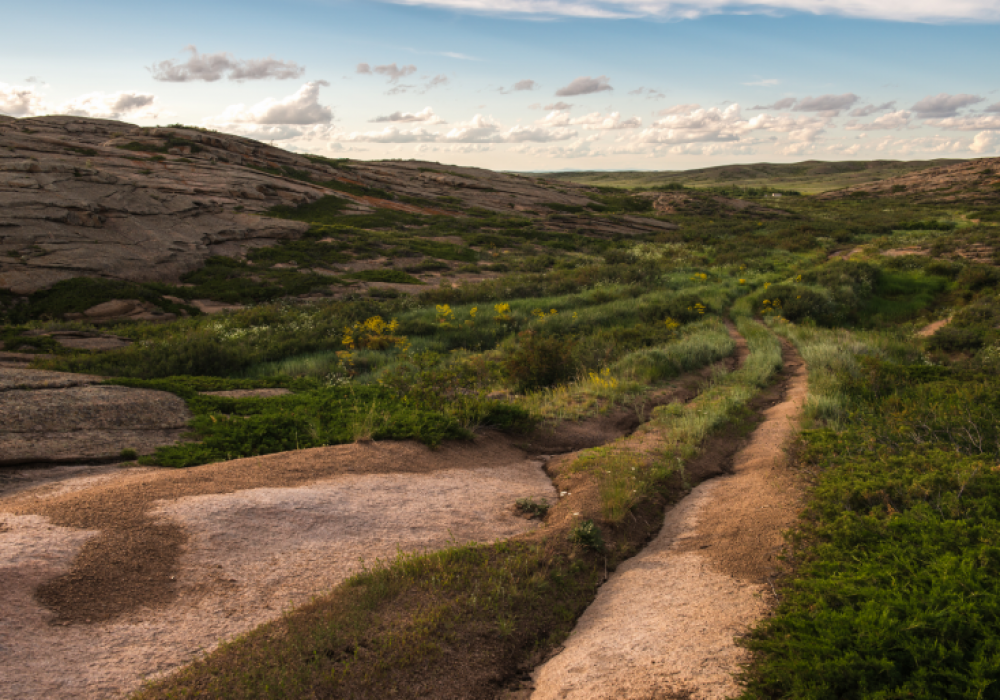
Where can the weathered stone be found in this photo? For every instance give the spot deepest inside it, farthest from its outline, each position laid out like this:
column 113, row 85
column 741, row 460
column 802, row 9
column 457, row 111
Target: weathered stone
column 52, row 417
column 80, row 197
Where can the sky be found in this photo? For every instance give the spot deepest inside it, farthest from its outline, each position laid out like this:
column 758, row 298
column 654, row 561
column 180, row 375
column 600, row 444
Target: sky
column 529, row 85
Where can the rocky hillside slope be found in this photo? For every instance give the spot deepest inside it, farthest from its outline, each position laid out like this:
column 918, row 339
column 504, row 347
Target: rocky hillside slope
column 100, row 198
column 974, row 182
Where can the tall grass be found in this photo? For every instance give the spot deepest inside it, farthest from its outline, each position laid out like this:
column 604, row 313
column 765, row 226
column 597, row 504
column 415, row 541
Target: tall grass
column 631, row 469
column 625, row 380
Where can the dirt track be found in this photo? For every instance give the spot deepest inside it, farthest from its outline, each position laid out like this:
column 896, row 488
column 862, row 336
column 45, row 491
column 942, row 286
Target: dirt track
column 664, row 624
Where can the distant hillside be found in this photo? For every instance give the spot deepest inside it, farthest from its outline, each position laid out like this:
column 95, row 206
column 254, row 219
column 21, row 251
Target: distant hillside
column 808, row 177
column 974, row 182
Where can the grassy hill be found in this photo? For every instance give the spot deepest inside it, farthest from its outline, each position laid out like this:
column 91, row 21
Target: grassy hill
column 808, row 177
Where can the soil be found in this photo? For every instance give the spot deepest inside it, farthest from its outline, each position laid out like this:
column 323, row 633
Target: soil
column 665, row 623
column 933, row 327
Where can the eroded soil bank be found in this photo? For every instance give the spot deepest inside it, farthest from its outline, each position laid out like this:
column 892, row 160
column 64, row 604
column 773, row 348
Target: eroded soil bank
column 664, row 624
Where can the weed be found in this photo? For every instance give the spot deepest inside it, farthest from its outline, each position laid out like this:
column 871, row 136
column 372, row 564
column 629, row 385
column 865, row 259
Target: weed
column 529, row 506
column 588, row 535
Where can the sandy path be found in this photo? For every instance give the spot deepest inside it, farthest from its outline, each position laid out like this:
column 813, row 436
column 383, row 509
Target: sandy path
column 246, row 539
column 664, row 624
column 933, row 327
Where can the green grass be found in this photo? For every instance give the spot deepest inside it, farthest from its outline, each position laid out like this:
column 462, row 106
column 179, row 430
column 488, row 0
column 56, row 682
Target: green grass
column 895, row 588
column 230, row 428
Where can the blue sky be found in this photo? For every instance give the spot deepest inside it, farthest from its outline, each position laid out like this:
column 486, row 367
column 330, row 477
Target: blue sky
column 529, row 84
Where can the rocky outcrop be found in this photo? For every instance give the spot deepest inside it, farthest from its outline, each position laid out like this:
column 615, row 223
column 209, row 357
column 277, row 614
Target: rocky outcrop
column 76, row 201
column 55, row 417
column 102, row 198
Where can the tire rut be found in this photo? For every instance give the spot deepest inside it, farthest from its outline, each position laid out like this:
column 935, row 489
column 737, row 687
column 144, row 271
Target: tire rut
column 665, row 623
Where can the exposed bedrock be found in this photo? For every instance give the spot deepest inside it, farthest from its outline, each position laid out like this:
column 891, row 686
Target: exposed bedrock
column 96, row 197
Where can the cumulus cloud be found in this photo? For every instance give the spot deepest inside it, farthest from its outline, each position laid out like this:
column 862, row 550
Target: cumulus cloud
column 18, row 101
column 593, row 121
column 210, row 67
column 785, row 103
column 300, row 108
column 968, row 122
column 479, row 129
column 694, row 124
column 426, row 115
column 943, row 105
column 830, row 105
column 892, row 120
column 869, row 110
column 925, row 11
column 558, row 105
column 389, row 70
column 585, row 86
column 993, row 108
column 985, row 142
column 116, row 105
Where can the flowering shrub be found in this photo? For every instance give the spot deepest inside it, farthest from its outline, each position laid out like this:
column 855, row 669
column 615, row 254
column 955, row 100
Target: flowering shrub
column 374, row 334
column 503, row 313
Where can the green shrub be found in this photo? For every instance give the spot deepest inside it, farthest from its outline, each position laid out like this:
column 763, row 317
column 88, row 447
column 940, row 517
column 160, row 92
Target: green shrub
column 535, row 360
column 588, row 536
column 529, row 506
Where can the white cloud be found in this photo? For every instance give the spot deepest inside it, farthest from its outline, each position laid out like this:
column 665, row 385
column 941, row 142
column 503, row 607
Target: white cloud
column 585, row 86
column 968, row 122
column 558, row 105
column 212, row 66
column 479, row 129
column 116, row 105
column 764, row 82
column 20, row 101
column 985, row 142
column 943, row 105
column 426, row 115
column 389, row 70
column 679, row 109
column 300, row 108
column 892, row 120
column 916, row 11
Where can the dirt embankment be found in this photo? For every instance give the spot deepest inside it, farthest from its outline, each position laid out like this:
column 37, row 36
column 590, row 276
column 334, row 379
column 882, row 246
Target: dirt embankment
column 664, row 624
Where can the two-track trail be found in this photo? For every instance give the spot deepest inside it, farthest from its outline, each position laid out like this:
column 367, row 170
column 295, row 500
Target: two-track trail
column 664, row 624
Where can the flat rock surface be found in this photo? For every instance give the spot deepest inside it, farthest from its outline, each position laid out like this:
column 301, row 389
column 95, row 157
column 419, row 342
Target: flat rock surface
column 232, row 545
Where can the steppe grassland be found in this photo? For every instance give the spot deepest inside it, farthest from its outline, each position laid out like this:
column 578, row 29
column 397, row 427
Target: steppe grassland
column 629, row 315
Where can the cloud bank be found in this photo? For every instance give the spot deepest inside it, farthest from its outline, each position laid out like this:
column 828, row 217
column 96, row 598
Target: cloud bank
column 209, row 67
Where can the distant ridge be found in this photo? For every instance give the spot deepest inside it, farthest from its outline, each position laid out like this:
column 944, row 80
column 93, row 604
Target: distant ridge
column 808, row 177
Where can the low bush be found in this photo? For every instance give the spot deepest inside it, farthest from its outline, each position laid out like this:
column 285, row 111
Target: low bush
column 536, row 360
